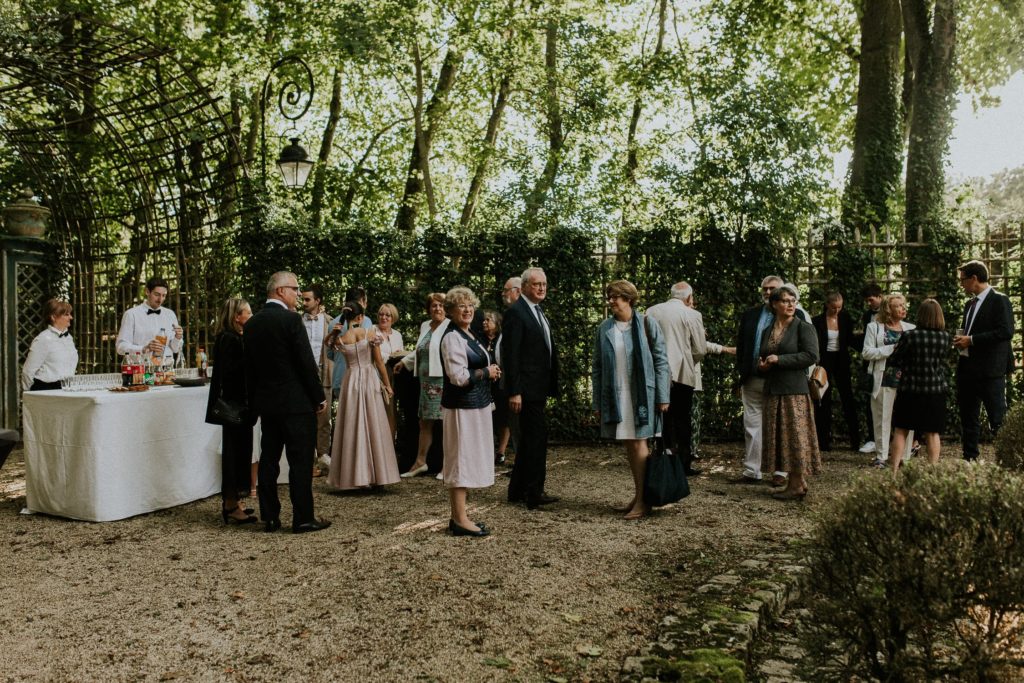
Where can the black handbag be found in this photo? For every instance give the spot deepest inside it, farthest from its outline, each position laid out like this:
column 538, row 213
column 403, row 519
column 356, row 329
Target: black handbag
column 665, row 477
column 229, row 413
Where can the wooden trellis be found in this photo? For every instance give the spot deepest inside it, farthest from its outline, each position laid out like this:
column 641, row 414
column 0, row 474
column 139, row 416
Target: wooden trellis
column 141, row 170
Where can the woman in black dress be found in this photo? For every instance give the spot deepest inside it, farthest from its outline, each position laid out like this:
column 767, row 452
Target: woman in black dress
column 921, row 358
column 229, row 383
column 502, row 433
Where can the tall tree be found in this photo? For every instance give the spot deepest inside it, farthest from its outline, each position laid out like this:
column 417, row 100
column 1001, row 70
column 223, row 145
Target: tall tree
column 556, row 138
column 877, row 140
column 326, row 145
column 930, row 29
column 632, row 155
column 427, row 120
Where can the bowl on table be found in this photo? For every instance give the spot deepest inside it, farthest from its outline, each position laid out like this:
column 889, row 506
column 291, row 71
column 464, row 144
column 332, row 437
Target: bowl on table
column 190, row 381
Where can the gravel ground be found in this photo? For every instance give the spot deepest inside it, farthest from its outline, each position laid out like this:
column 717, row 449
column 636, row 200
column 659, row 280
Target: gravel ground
column 384, row 594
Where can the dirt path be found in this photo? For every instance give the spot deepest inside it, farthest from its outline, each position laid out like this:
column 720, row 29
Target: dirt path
column 385, row 594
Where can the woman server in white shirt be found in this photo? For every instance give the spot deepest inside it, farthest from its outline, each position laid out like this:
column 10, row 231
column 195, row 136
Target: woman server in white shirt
column 52, row 355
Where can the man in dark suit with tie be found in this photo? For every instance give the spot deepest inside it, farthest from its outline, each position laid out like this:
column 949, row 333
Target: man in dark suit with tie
column 285, row 392
column 530, row 368
column 986, row 357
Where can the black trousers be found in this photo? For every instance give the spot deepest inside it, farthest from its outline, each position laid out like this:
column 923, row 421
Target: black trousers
column 531, row 465
column 837, row 365
column 678, row 430
column 40, row 385
column 296, row 434
column 236, row 459
column 971, row 394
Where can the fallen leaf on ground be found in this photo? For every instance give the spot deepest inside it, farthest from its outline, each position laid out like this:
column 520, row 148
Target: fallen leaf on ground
column 589, row 650
column 572, row 618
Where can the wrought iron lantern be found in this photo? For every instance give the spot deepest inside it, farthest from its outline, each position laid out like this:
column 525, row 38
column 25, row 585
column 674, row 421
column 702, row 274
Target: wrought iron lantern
column 294, row 162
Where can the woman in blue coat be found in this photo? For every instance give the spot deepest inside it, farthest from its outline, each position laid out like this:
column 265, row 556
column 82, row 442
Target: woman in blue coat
column 630, row 377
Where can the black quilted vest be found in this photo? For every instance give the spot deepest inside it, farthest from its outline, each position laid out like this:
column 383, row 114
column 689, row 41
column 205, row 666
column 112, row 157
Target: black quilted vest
column 476, row 394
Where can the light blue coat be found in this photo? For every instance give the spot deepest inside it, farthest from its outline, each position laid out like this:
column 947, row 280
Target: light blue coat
column 603, row 375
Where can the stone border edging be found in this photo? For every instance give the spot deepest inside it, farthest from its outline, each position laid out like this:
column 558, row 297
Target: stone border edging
column 709, row 637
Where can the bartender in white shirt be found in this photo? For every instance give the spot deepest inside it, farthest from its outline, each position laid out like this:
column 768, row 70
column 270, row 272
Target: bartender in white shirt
column 140, row 325
column 52, row 355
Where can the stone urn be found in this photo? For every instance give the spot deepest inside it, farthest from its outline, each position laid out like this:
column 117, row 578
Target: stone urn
column 25, row 217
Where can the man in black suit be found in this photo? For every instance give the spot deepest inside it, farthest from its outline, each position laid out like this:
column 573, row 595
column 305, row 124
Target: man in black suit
column 986, row 357
column 285, row 392
column 753, row 325
column 530, row 368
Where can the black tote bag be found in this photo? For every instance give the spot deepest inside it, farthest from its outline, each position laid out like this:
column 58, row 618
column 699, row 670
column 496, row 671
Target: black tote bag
column 665, row 477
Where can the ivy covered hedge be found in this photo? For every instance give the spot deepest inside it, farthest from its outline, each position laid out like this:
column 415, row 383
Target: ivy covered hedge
column 725, row 272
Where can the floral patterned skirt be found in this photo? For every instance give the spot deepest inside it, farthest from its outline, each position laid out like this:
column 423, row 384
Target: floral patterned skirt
column 789, row 442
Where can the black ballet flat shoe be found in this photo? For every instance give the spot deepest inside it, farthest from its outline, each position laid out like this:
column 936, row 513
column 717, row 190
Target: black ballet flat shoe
column 271, row 525
column 456, row 530
column 235, row 521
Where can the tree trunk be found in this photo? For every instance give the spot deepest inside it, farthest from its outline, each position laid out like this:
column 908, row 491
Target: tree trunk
column 556, row 140
column 930, row 51
column 419, row 158
column 348, row 198
column 877, row 140
column 490, row 138
column 632, row 160
column 326, row 144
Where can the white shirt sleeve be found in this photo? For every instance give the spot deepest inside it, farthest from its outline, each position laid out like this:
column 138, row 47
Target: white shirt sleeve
column 173, row 342
column 36, row 355
column 453, row 349
column 126, row 334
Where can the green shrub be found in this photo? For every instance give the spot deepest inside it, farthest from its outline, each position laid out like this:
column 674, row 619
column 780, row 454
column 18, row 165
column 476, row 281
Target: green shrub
column 1009, row 442
column 922, row 577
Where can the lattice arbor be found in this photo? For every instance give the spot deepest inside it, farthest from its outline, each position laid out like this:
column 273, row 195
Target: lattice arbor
column 896, row 265
column 139, row 166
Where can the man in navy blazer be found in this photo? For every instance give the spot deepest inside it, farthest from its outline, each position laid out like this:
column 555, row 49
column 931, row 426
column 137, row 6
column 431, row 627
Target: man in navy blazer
column 753, row 324
column 986, row 357
column 284, row 390
column 530, row 368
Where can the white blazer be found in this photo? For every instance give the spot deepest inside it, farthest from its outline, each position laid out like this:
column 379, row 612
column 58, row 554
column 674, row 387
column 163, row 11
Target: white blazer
column 876, row 351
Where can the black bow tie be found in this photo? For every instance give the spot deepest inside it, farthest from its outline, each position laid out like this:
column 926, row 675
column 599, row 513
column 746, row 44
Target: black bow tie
column 64, row 334
column 153, row 312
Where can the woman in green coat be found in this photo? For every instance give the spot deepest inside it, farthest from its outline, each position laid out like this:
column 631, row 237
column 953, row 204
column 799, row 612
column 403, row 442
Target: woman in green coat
column 630, row 377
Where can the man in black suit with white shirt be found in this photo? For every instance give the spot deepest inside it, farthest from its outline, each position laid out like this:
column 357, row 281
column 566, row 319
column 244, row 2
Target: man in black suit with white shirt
column 284, row 390
column 986, row 357
column 530, row 367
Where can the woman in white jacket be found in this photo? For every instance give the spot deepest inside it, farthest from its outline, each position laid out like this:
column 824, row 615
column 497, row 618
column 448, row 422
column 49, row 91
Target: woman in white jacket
column 880, row 339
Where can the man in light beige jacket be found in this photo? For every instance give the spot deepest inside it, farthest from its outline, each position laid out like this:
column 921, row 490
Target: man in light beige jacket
column 683, row 329
column 318, row 328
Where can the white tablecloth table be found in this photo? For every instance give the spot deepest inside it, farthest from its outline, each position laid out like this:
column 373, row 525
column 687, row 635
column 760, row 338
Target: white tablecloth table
column 102, row 455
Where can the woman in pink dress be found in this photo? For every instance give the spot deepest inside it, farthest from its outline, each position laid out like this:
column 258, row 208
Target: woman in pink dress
column 363, row 453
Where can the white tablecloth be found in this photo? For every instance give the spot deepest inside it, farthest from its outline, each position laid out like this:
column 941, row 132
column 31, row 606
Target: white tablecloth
column 102, row 455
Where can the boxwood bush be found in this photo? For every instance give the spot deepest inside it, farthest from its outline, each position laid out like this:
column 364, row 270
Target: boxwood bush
column 1009, row 441
column 921, row 577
